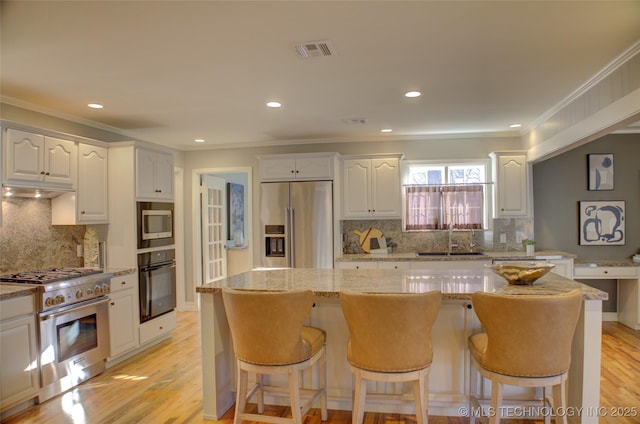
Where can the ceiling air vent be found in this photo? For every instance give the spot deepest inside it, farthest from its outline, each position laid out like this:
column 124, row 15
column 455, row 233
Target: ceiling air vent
column 355, row 121
column 314, row 49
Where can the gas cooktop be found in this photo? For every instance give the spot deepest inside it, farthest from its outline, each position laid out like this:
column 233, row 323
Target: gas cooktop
column 49, row 275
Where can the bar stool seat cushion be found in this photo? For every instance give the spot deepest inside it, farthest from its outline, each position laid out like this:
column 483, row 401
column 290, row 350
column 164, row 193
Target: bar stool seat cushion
column 313, row 339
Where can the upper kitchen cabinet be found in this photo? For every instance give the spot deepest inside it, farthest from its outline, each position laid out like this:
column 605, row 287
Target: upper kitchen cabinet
column 371, row 188
column 39, row 161
column 511, row 185
column 89, row 204
column 297, row 167
column 154, row 175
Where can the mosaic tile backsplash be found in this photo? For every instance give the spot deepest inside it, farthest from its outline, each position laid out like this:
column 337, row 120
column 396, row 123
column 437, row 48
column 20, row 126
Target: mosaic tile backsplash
column 438, row 240
column 29, row 242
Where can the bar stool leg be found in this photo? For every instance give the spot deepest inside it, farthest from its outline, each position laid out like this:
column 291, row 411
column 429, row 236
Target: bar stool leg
column 241, row 396
column 260, row 392
column 322, row 370
column 359, row 399
column 294, row 393
column 420, row 398
column 496, row 402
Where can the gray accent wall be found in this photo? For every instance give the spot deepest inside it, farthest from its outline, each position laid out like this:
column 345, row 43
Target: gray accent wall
column 561, row 182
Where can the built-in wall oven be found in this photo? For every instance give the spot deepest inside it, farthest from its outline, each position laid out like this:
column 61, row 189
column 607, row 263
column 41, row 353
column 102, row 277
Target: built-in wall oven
column 73, row 325
column 157, row 282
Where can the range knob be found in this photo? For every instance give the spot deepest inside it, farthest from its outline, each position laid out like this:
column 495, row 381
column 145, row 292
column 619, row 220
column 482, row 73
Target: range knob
column 79, row 294
column 59, row 299
column 97, row 290
column 106, row 288
column 49, row 301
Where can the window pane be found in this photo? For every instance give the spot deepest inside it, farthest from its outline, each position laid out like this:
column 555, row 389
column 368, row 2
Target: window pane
column 466, row 174
column 426, row 174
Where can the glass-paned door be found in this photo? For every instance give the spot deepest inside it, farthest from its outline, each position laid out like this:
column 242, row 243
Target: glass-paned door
column 214, row 255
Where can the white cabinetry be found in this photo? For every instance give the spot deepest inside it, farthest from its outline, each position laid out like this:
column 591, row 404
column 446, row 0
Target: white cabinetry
column 89, row 204
column 154, row 175
column 357, row 265
column 35, row 160
column 563, row 267
column 512, row 190
column 123, row 316
column 628, row 278
column 371, row 188
column 19, row 380
column 157, row 327
column 297, row 167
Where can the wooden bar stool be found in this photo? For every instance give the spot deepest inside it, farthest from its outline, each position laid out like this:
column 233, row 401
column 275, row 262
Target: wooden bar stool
column 390, row 341
column 527, row 342
column 269, row 337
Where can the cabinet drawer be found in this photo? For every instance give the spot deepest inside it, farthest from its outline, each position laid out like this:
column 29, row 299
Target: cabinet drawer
column 124, row 282
column 357, row 265
column 394, row 265
column 605, row 272
column 157, row 327
column 17, row 306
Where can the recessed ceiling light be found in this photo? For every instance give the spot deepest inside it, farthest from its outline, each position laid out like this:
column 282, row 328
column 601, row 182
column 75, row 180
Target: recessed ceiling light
column 95, row 105
column 199, row 140
column 515, row 125
column 274, row 104
column 412, row 94
column 386, row 130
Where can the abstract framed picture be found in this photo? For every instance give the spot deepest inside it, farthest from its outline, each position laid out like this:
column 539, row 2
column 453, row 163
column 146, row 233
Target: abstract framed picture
column 602, row 223
column 600, row 171
column 235, row 213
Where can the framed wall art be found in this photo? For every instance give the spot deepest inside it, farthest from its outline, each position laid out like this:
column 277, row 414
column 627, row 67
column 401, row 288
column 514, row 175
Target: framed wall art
column 235, row 213
column 602, row 223
column 600, row 171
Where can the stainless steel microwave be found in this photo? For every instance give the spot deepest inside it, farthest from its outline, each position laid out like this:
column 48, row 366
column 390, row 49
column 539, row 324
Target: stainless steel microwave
column 155, row 224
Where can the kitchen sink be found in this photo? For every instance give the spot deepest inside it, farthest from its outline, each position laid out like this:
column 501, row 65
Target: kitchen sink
column 449, row 254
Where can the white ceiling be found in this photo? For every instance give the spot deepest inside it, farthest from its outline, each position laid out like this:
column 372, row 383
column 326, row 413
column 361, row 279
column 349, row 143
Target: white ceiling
column 172, row 71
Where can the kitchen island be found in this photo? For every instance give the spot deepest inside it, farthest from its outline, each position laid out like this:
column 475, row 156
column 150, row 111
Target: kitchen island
column 451, row 379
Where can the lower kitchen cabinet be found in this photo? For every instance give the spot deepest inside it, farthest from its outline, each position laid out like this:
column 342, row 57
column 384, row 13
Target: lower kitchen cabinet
column 19, row 381
column 357, row 265
column 123, row 317
column 158, row 327
column 563, row 267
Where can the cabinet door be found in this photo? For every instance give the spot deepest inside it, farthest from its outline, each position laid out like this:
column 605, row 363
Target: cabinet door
column 123, row 327
column 164, row 176
column 563, row 267
column 356, row 196
column 277, row 169
column 92, row 184
column 18, row 375
column 25, row 156
column 394, row 265
column 145, row 173
column 59, row 161
column 511, row 190
column 314, row 168
column 385, row 188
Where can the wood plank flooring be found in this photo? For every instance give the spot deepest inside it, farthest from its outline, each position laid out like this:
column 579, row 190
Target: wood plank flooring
column 164, row 385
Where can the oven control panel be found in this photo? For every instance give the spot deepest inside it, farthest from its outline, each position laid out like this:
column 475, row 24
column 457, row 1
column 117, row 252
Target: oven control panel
column 69, row 292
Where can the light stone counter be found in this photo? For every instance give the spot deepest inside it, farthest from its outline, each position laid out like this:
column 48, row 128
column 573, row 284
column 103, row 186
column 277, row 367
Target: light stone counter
column 8, row 290
column 454, row 283
column 452, row 379
column 411, row 256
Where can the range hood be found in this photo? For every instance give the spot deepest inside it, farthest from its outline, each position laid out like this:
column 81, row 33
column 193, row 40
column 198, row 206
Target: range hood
column 32, row 192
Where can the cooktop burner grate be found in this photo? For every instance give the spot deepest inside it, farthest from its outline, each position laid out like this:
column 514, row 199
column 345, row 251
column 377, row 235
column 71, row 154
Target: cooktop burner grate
column 48, row 275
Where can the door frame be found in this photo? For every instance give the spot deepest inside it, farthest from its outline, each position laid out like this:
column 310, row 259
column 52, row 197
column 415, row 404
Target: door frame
column 196, row 219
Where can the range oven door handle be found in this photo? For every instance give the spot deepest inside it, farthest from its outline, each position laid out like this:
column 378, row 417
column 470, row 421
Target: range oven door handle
column 165, row 265
column 65, row 310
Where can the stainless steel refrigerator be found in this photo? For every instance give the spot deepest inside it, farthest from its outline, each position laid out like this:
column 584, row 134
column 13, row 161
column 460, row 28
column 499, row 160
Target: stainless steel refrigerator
column 296, row 224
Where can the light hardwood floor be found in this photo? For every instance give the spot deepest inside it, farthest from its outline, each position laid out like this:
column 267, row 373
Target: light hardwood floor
column 164, row 385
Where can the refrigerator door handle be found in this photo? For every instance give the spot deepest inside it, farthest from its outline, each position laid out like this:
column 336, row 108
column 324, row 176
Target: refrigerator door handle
column 288, row 237
column 291, row 238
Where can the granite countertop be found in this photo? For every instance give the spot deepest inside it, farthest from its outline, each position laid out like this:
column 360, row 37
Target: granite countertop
column 8, row 290
column 117, row 272
column 454, row 283
column 594, row 263
column 411, row 256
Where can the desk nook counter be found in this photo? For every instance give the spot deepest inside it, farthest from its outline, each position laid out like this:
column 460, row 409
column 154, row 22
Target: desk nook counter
column 451, row 379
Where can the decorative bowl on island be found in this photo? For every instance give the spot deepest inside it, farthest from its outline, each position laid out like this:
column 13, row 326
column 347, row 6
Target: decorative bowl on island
column 521, row 273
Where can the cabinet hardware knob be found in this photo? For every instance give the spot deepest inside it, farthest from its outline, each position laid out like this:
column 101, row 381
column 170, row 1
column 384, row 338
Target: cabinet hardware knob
column 124, row 283
column 469, row 306
column 297, row 171
column 606, row 272
column 82, row 212
column 292, row 171
column 41, row 172
column 161, row 328
column 112, row 303
column 46, row 173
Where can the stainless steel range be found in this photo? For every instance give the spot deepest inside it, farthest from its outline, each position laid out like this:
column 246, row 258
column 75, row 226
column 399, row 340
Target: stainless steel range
column 73, row 325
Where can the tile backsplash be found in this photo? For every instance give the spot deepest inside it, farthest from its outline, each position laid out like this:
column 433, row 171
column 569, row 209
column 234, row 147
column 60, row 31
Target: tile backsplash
column 29, row 242
column 513, row 230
